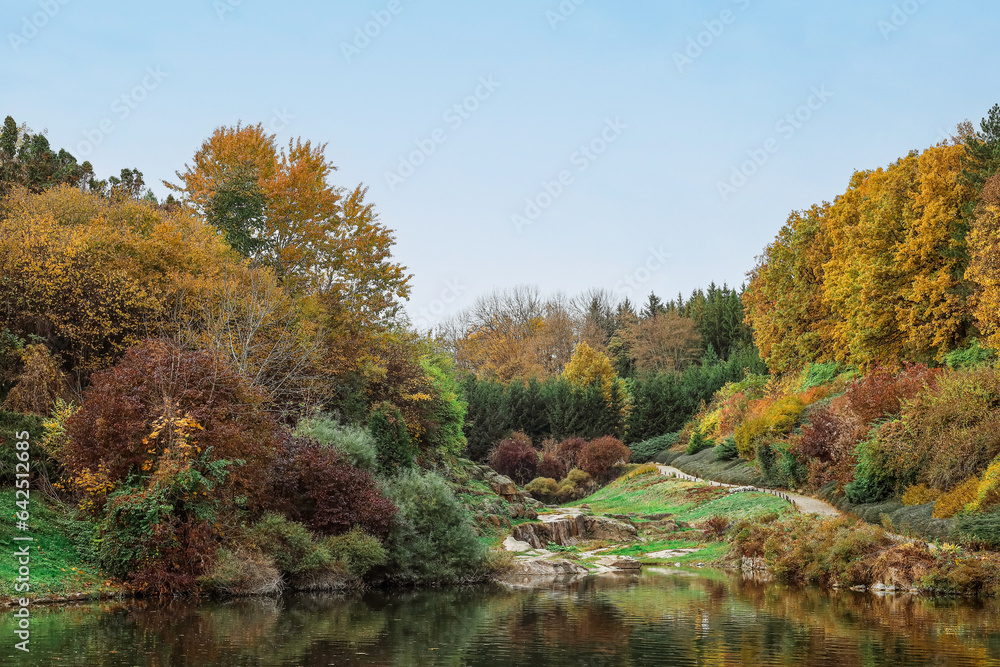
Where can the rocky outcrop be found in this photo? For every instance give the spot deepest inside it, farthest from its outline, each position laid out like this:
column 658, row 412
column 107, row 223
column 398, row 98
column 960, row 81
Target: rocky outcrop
column 506, row 489
column 520, row 511
column 606, row 528
column 569, row 529
column 565, row 530
column 541, row 567
column 620, row 563
column 511, row 544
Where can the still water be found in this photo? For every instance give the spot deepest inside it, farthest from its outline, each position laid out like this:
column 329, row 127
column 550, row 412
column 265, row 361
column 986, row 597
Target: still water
column 665, row 617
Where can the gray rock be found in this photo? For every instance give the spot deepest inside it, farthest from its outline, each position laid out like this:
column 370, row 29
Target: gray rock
column 606, row 528
column 510, row 544
column 537, row 567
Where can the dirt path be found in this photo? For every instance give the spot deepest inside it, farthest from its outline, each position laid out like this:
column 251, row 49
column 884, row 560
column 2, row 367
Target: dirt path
column 803, row 504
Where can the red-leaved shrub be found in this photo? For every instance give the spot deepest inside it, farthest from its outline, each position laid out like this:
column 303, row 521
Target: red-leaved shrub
column 880, row 393
column 316, row 486
column 516, row 459
column 552, row 467
column 602, row 454
column 820, row 435
column 569, row 450
column 114, row 434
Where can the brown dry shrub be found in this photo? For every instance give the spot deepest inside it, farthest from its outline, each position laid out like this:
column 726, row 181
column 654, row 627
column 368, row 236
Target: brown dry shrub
column 881, row 393
column 569, row 450
column 715, row 527
column 957, row 425
column 601, row 455
column 39, row 385
column 551, row 466
column 110, row 435
column 549, row 446
column 903, row 565
column 515, row 458
column 243, row 571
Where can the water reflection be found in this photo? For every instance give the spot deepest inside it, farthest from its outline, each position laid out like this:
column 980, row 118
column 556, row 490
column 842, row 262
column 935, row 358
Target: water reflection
column 657, row 618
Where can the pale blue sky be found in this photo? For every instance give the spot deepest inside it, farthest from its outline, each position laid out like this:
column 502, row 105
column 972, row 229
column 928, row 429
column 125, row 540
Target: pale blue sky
column 882, row 76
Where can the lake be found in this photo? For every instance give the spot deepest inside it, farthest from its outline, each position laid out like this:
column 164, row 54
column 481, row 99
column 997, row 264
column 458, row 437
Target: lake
column 662, row 617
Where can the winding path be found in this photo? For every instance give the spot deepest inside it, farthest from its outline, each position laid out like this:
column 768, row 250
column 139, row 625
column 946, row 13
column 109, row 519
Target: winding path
column 803, row 504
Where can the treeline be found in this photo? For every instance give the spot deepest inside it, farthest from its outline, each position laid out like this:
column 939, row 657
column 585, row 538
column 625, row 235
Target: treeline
column 590, row 367
column 519, row 334
column 900, row 267
column 651, row 405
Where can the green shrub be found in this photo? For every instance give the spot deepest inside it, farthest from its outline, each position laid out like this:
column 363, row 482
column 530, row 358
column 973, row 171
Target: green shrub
column 392, row 441
column 816, row 375
column 726, row 450
column 698, row 443
column 790, row 470
column 291, row 545
column 355, row 443
column 543, row 488
column 883, row 468
column 433, row 540
column 969, row 357
column 767, row 461
column 446, row 409
column 643, row 452
column 357, row 550
column 983, row 528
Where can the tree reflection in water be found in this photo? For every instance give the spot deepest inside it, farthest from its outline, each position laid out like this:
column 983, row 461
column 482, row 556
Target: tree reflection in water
column 658, row 618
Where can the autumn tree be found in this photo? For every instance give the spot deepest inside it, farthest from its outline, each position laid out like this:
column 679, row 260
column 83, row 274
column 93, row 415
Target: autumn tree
column 92, row 276
column 892, row 279
column 984, row 268
column 279, row 208
column 496, row 337
column 784, row 303
column 666, row 342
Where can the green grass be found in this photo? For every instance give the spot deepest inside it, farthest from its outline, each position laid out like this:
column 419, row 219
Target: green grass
column 655, row 494
column 644, row 494
column 640, row 549
column 709, row 553
column 56, row 566
column 737, row 506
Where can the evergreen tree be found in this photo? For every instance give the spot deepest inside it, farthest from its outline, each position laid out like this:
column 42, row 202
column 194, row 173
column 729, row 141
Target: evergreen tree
column 392, row 441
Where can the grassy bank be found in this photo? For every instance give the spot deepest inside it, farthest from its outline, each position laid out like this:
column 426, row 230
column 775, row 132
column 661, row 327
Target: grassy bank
column 672, row 517
column 57, row 569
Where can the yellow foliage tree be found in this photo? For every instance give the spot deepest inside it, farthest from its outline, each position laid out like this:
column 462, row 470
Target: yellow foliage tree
column 984, row 265
column 93, row 276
